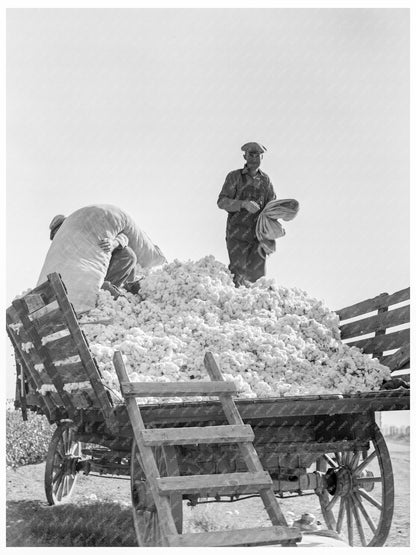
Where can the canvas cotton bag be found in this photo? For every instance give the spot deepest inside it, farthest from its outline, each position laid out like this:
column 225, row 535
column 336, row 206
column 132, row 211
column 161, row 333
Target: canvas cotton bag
column 75, row 254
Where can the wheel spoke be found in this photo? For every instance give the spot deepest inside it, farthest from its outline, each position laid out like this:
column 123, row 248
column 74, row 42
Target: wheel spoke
column 330, row 461
column 349, row 522
column 57, row 465
column 358, row 522
column 65, row 440
column 355, row 459
column 150, row 524
column 364, row 512
column 65, row 486
column 365, row 478
column 57, row 476
column 372, row 479
column 370, row 499
column 340, row 515
column 332, row 502
column 365, row 462
column 58, row 493
column 60, row 451
column 139, row 514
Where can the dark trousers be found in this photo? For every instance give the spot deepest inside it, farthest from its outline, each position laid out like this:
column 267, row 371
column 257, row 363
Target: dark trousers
column 121, row 267
column 245, row 261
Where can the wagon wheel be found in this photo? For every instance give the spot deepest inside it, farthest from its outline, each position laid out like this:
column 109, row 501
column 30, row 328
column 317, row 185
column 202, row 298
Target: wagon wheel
column 60, row 471
column 146, row 520
column 358, row 500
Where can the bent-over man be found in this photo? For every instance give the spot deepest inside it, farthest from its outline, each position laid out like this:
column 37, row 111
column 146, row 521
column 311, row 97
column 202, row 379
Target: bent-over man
column 122, row 262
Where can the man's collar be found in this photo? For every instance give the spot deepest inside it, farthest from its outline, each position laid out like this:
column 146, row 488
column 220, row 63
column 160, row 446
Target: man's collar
column 246, row 170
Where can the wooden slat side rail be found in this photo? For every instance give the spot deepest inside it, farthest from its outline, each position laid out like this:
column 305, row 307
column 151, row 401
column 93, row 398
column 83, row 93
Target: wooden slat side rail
column 22, row 311
column 382, row 321
column 47, row 323
column 32, row 376
column 24, row 341
column 398, row 360
column 72, row 372
column 392, row 348
column 244, row 537
column 90, row 365
column 38, row 297
column 197, row 435
column 247, row 449
column 382, row 343
column 237, row 482
column 381, row 301
column 62, row 348
column 176, row 389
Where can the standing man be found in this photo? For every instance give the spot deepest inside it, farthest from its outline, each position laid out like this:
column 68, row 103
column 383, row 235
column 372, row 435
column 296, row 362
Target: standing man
column 244, row 194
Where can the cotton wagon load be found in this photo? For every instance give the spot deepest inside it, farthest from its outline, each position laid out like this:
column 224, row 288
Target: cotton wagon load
column 288, row 409
column 271, row 340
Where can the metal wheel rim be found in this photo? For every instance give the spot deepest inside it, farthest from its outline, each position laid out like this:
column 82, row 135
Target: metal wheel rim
column 362, row 516
column 145, row 518
column 60, row 483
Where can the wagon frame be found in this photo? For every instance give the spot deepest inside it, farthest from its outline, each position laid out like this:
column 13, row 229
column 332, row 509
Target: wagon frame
column 322, row 444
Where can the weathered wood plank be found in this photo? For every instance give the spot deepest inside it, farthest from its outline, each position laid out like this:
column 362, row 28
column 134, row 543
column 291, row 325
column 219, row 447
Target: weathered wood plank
column 30, row 351
column 381, row 301
column 382, row 343
column 33, row 301
column 399, row 359
column 176, row 389
column 81, row 345
column 267, row 435
column 49, row 322
column 235, row 482
column 245, row 537
column 375, row 323
column 43, row 291
column 47, row 405
column 197, row 435
column 61, row 348
column 20, row 307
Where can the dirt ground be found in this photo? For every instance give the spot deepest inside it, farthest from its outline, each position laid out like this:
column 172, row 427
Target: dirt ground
column 25, row 495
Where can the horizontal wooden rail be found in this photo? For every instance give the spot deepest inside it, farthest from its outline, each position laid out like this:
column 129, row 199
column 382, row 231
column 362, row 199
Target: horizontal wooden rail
column 197, row 435
column 381, row 301
column 176, row 389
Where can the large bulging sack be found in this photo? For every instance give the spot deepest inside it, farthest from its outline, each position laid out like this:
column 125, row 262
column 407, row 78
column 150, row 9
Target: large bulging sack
column 75, row 254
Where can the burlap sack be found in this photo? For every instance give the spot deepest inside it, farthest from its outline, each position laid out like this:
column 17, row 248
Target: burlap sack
column 75, row 254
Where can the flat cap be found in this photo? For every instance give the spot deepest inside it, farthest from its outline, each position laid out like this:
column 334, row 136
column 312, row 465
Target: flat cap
column 254, row 147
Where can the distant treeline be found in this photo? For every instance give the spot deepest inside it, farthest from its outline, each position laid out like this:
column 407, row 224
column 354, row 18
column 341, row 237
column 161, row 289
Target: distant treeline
column 396, row 431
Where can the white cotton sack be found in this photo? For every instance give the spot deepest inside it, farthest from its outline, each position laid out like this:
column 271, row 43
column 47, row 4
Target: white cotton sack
column 76, row 255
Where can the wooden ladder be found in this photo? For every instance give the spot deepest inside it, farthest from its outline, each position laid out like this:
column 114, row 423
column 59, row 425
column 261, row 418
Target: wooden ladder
column 255, row 480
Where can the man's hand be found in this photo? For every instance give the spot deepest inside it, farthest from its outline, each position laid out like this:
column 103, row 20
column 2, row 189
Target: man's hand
column 251, row 206
column 108, row 245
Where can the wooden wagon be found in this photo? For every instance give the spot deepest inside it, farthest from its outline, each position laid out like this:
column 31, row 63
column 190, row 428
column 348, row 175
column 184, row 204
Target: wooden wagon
column 324, row 445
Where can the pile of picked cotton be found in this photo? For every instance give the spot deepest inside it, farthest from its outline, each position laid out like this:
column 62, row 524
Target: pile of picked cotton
column 271, row 340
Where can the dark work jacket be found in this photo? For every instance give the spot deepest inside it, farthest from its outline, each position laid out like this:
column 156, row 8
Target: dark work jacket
column 238, row 186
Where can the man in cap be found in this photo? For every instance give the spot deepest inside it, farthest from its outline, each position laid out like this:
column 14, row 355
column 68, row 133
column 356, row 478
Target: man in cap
column 122, row 262
column 244, row 194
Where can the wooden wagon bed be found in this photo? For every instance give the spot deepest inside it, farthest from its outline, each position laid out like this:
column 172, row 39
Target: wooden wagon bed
column 324, row 444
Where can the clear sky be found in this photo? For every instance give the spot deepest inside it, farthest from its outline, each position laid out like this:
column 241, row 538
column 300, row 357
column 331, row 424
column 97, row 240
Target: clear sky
column 147, row 109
